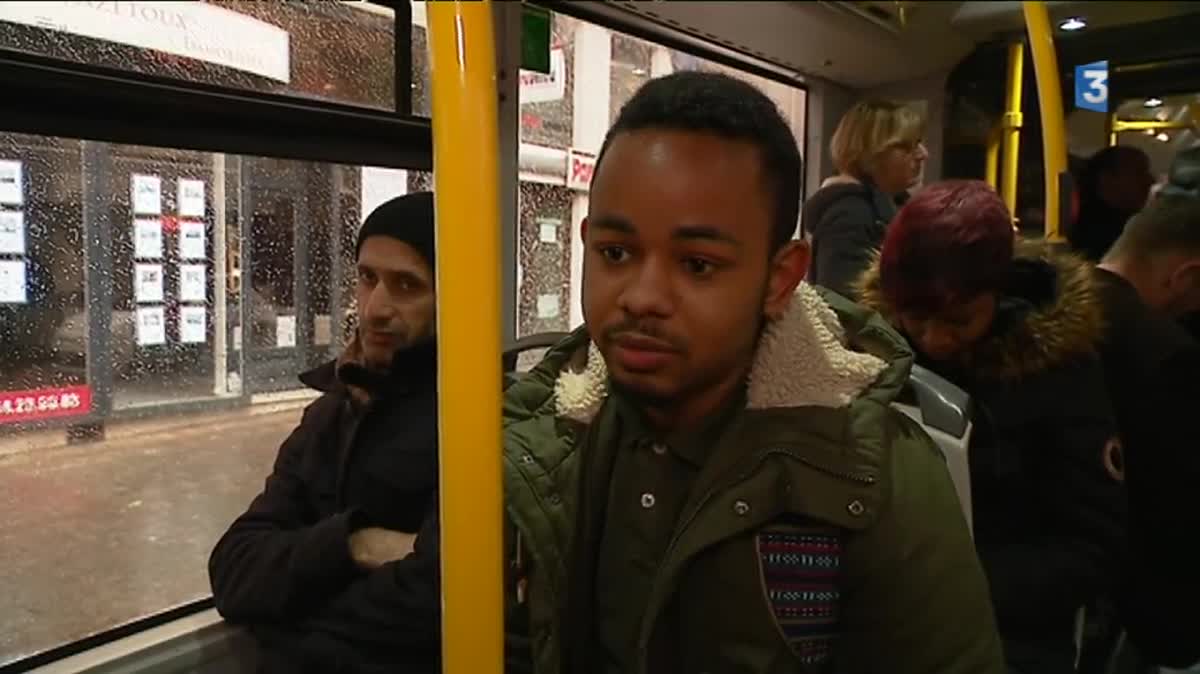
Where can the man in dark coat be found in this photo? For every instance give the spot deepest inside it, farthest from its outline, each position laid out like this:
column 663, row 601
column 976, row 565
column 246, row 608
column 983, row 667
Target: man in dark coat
column 1113, row 185
column 1149, row 279
column 334, row 567
column 1018, row 327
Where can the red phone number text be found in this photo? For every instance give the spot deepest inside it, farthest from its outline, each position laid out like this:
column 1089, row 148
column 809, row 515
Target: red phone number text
column 45, row 403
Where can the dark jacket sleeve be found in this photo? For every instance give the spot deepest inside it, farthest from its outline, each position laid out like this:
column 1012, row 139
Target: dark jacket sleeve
column 844, row 240
column 396, row 605
column 1076, row 552
column 274, row 559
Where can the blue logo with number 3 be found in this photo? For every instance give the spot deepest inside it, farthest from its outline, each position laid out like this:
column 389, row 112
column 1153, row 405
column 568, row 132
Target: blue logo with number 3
column 1091, row 86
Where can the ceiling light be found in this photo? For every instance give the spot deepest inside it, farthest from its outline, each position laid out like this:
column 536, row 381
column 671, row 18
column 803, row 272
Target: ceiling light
column 639, row 71
column 1072, row 24
column 1152, row 102
column 1164, row 137
column 1149, row 132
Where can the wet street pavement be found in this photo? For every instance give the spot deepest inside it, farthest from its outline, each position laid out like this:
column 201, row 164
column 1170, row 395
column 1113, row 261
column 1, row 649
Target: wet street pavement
column 96, row 535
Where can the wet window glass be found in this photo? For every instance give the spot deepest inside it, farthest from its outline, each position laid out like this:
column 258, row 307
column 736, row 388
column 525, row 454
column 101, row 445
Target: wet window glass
column 561, row 131
column 333, row 51
column 421, row 88
column 172, row 298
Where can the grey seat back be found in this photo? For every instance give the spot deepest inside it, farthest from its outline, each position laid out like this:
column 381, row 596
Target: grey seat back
column 943, row 410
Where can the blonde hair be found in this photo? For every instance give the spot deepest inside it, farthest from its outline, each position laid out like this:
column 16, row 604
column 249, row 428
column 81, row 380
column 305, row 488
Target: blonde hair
column 870, row 128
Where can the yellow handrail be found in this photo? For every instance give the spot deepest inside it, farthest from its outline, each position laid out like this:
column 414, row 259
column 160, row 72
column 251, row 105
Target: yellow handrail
column 991, row 162
column 466, row 180
column 1011, row 127
column 1054, row 138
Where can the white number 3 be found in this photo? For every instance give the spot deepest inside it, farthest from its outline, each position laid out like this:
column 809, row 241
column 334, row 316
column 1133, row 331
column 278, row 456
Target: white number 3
column 1097, row 83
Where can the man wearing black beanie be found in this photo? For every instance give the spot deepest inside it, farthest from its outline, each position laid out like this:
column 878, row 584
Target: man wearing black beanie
column 334, row 567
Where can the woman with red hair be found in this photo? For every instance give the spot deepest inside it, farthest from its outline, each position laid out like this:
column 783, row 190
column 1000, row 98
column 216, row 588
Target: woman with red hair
column 1017, row 327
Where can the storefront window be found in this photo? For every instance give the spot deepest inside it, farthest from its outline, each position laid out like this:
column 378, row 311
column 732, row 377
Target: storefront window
column 333, row 51
column 173, row 277
column 421, row 88
column 561, row 132
column 41, row 280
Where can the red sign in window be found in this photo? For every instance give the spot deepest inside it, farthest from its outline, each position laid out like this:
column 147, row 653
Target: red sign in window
column 580, row 166
column 46, row 403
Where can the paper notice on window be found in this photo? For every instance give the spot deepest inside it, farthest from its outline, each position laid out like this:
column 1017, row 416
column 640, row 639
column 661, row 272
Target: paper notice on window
column 148, row 283
column 285, row 332
column 151, row 327
column 12, row 187
column 191, row 283
column 547, row 306
column 322, row 330
column 12, row 232
column 191, row 240
column 193, row 325
column 12, row 282
column 548, row 229
column 147, row 195
column 191, row 198
column 147, row 238
column 237, row 338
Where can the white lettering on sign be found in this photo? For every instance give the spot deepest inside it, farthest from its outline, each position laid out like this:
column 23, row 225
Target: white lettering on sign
column 541, row 88
column 197, row 30
column 580, row 166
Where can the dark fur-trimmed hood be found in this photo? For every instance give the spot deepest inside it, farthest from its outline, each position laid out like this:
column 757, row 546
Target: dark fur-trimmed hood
column 1053, row 331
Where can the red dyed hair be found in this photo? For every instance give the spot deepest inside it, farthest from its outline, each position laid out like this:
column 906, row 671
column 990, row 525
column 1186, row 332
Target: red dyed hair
column 951, row 242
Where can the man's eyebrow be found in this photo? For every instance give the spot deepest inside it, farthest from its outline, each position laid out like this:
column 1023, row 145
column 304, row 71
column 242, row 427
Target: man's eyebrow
column 407, row 274
column 612, row 223
column 620, row 225
column 706, row 233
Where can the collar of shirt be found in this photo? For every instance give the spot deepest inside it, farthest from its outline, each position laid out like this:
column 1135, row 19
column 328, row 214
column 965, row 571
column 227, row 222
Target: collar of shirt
column 692, row 444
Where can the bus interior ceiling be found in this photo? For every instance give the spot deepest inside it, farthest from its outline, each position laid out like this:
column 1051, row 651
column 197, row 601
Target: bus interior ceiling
column 931, row 53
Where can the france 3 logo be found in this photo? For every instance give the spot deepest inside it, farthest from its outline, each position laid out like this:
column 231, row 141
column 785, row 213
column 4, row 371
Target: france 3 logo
column 1091, row 86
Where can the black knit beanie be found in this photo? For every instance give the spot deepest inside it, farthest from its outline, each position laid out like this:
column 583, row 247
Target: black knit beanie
column 407, row 218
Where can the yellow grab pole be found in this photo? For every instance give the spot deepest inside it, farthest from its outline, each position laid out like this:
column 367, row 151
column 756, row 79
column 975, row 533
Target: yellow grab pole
column 466, row 180
column 992, row 162
column 1011, row 127
column 1054, row 138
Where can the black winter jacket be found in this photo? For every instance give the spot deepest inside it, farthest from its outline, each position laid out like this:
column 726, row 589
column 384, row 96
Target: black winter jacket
column 284, row 567
column 1153, row 366
column 1049, row 507
column 847, row 221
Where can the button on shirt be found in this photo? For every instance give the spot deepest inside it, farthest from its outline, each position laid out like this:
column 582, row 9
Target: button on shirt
column 651, row 481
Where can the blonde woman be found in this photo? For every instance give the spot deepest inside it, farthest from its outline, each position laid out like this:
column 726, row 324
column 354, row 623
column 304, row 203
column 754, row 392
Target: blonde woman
column 878, row 151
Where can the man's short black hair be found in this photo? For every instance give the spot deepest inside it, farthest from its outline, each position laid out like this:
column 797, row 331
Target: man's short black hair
column 729, row 108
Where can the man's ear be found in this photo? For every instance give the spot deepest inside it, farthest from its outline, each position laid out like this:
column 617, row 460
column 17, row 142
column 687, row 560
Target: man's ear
column 583, row 226
column 789, row 266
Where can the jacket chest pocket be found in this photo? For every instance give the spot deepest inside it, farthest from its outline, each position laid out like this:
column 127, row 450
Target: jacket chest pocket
column 763, row 603
column 799, row 568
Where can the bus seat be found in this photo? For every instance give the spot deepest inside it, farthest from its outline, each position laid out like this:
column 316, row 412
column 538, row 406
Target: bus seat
column 532, row 345
column 943, row 410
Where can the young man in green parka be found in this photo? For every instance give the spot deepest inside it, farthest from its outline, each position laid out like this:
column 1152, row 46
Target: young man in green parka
column 707, row 477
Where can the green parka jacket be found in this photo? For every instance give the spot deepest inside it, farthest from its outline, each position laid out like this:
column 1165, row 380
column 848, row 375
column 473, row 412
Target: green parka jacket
column 823, row 535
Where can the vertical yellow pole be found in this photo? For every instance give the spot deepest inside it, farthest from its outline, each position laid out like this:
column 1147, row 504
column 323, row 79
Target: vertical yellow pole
column 992, row 162
column 1054, row 139
column 1012, row 125
column 466, row 180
